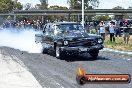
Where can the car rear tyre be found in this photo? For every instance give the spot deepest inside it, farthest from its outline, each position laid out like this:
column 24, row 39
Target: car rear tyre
column 94, row 53
column 44, row 51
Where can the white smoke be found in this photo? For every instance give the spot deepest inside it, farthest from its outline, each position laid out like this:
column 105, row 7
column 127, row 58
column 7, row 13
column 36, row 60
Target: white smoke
column 122, row 1
column 22, row 39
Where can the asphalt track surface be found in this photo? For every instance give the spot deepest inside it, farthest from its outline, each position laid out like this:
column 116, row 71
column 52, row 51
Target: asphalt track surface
column 51, row 72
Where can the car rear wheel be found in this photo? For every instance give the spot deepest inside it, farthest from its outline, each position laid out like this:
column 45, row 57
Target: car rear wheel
column 94, row 53
column 44, row 51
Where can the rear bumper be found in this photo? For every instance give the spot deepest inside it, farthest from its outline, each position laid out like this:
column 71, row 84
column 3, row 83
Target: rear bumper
column 80, row 49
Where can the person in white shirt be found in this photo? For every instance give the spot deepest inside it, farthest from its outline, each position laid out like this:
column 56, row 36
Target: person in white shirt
column 102, row 29
column 112, row 31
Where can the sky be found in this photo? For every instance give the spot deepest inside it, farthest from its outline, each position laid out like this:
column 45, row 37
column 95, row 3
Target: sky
column 104, row 4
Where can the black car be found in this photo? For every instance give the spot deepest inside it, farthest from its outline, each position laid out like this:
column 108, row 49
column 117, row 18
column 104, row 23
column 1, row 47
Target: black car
column 68, row 38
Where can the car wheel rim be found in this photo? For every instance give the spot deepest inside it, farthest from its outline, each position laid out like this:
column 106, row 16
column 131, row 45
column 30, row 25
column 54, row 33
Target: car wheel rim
column 57, row 52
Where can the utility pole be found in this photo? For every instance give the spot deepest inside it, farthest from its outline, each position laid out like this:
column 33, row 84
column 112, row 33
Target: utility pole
column 83, row 13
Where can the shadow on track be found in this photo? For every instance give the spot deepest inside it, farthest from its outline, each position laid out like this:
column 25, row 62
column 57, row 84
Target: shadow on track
column 84, row 57
column 81, row 57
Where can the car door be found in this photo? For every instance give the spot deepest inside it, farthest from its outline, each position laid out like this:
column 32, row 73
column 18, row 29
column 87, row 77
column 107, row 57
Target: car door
column 48, row 35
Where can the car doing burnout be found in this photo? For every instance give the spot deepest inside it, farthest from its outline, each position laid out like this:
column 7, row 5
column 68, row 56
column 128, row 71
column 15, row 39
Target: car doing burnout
column 68, row 38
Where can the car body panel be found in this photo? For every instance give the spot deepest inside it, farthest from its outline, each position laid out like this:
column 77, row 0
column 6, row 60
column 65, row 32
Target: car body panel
column 78, row 40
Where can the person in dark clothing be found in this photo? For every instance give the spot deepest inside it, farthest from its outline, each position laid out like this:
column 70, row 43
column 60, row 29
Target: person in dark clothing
column 118, row 31
column 112, row 31
column 126, row 32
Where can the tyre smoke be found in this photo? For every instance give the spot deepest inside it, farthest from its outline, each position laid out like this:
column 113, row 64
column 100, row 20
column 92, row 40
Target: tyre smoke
column 22, row 39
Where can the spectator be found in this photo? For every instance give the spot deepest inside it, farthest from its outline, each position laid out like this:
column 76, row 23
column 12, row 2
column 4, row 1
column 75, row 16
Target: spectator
column 126, row 33
column 117, row 29
column 102, row 29
column 112, row 31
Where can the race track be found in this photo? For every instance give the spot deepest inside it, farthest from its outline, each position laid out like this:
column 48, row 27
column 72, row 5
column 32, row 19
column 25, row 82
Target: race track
column 51, row 72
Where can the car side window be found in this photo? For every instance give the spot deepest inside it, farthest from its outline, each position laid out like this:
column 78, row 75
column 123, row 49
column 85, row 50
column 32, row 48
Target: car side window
column 44, row 28
column 57, row 29
column 48, row 30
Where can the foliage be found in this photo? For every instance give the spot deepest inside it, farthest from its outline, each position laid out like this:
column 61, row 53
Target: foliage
column 118, row 17
column 118, row 44
column 44, row 1
column 57, row 17
column 130, row 7
column 130, row 17
column 118, row 7
column 27, row 6
column 77, row 4
column 7, row 6
column 56, row 7
column 93, row 31
column 43, row 5
column 103, row 18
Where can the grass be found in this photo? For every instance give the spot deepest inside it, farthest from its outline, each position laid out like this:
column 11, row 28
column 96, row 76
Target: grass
column 118, row 44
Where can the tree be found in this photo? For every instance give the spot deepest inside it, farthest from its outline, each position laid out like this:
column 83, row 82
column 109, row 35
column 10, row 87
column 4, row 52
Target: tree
column 37, row 6
column 56, row 7
column 7, row 6
column 58, row 17
column 103, row 18
column 27, row 6
column 118, row 7
column 77, row 4
column 88, row 4
column 17, row 5
column 44, row 4
column 118, row 17
column 130, row 7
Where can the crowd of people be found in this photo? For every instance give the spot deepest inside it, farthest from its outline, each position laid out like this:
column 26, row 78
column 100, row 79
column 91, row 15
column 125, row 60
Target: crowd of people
column 113, row 29
column 23, row 24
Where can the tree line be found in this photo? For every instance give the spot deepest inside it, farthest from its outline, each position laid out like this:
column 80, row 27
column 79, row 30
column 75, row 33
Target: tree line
column 7, row 6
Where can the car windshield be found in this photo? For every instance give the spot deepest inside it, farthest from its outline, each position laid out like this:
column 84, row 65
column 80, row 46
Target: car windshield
column 70, row 27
